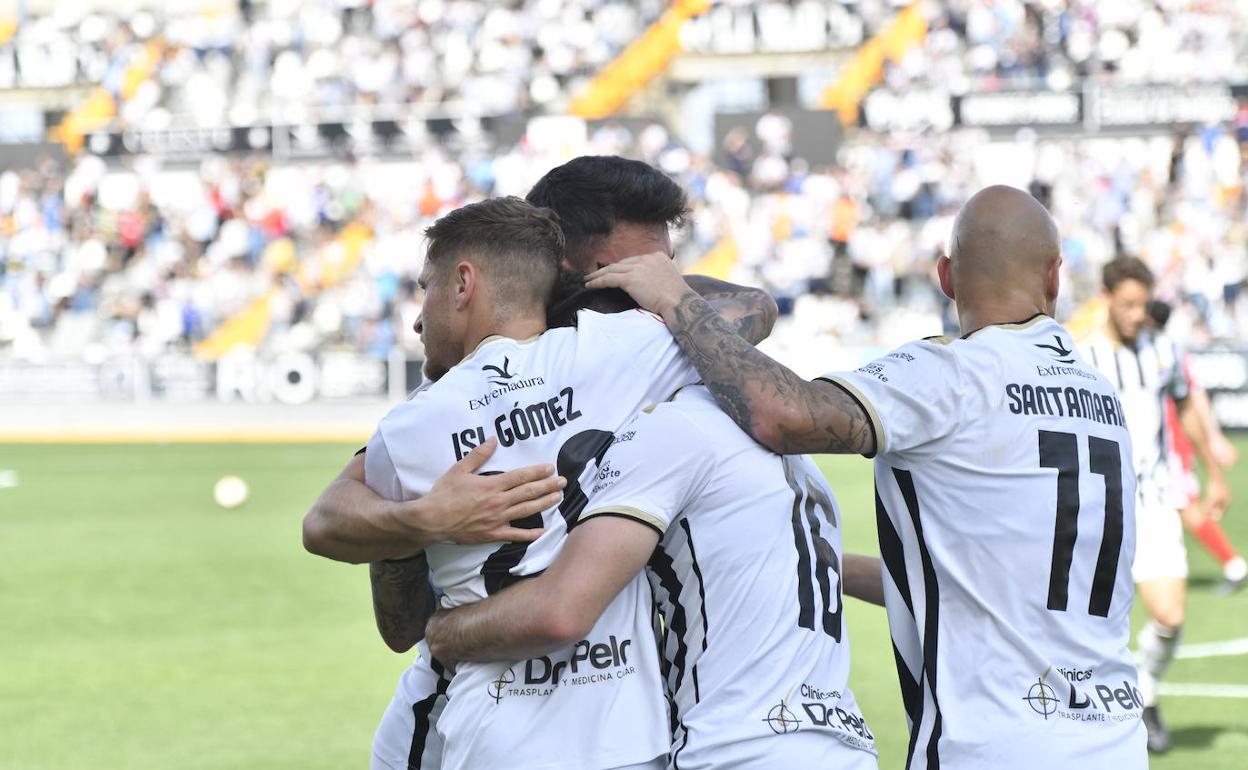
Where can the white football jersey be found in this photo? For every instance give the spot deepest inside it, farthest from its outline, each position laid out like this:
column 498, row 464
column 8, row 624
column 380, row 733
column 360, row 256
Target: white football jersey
column 407, row 738
column 747, row 577
column 557, row 398
column 1143, row 374
column 1005, row 502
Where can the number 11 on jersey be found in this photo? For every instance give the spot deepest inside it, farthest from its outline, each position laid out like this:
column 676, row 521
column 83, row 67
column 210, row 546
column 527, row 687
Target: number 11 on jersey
column 1061, row 452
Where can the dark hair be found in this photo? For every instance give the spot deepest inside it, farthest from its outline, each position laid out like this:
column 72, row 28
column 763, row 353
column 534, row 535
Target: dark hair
column 1159, row 310
column 520, row 245
column 593, row 193
column 570, row 296
column 1122, row 269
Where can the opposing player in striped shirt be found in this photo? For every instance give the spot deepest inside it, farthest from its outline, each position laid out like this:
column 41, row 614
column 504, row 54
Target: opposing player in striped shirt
column 1197, row 519
column 1145, row 368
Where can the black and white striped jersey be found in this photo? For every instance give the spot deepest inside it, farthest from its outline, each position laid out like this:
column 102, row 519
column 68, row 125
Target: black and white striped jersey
column 557, row 398
column 1143, row 374
column 1005, row 504
column 747, row 580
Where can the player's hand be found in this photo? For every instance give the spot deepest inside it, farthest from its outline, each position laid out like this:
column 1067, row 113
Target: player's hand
column 435, row 638
column 1217, row 496
column 468, row 508
column 650, row 279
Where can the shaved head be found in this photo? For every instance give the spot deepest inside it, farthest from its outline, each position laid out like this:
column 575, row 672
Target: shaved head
column 1003, row 257
column 1003, row 234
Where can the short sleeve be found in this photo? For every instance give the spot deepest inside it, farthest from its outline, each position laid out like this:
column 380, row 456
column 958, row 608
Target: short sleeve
column 379, row 472
column 656, row 465
column 913, row 395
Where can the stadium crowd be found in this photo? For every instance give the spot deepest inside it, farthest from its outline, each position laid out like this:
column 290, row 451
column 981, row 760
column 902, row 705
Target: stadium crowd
column 139, row 262
column 284, row 60
column 96, row 260
column 1054, row 43
column 254, row 61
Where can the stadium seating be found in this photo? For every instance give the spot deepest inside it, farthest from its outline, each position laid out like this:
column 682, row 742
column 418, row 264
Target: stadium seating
column 146, row 255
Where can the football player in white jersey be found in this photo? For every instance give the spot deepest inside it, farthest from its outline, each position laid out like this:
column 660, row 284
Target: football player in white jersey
column 1145, row 367
column 1005, row 497
column 421, row 695
column 747, row 575
column 498, row 372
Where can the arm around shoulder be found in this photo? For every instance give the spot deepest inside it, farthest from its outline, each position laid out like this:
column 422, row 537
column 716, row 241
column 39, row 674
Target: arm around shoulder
column 352, row 523
column 403, row 600
column 554, row 609
column 782, row 411
column 750, row 311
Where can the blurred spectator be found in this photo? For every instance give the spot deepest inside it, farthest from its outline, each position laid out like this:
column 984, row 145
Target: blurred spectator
column 98, row 261
column 291, row 60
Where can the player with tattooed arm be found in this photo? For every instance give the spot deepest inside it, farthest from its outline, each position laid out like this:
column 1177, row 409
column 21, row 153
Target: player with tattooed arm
column 1005, row 496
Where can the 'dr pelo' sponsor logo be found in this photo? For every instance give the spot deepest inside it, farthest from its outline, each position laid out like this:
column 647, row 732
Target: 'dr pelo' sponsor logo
column 586, row 657
column 1101, row 703
column 590, row 663
column 499, row 686
column 1075, row 675
column 782, row 720
column 837, row 718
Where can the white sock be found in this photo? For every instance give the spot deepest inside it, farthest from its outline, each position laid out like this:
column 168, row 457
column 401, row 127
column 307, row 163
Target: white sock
column 1157, row 645
column 1148, row 688
column 1235, row 569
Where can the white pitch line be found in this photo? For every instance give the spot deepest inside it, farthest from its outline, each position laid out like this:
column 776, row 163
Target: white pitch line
column 1204, row 690
column 1214, row 649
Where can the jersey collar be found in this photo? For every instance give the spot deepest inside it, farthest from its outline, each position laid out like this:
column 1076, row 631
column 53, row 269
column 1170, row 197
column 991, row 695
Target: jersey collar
column 497, row 337
column 1026, row 323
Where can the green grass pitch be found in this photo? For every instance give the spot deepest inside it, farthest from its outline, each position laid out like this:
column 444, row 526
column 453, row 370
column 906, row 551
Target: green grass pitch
column 143, row 627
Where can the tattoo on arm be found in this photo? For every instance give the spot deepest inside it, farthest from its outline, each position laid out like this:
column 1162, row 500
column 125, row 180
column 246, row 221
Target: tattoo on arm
column 751, row 311
column 781, row 410
column 747, row 314
column 402, row 600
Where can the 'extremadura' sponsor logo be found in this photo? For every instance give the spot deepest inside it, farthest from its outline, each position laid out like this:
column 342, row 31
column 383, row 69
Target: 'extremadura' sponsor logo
column 503, row 388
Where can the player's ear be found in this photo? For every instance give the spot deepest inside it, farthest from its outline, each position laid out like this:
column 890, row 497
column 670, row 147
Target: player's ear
column 1053, row 281
column 944, row 269
column 466, row 284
